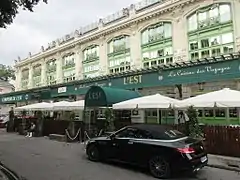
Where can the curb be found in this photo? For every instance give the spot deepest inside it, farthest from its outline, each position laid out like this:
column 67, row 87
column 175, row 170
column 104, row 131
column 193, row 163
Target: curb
column 224, row 167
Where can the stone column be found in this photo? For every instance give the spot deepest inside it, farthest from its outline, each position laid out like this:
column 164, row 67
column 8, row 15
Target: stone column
column 180, row 43
column 18, row 75
column 103, row 62
column 78, row 65
column 135, row 48
column 59, row 68
column 30, row 77
column 44, row 73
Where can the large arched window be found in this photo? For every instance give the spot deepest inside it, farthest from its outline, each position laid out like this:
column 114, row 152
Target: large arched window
column 90, row 63
column 37, row 72
column 210, row 31
column 91, row 53
column 69, row 63
column 157, row 44
column 119, row 57
column 51, row 72
column 25, row 79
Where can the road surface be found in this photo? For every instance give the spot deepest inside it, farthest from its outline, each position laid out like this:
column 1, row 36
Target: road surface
column 41, row 158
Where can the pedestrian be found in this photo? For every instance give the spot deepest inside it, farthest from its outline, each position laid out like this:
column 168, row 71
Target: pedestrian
column 31, row 130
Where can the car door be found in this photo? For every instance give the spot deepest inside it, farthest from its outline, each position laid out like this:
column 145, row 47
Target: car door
column 141, row 149
column 124, row 141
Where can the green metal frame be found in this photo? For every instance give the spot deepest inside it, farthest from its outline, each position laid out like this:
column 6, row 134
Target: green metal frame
column 212, row 30
column 155, row 45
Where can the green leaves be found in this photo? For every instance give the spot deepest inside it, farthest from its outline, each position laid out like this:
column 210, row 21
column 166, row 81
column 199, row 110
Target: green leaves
column 193, row 125
column 6, row 72
column 9, row 9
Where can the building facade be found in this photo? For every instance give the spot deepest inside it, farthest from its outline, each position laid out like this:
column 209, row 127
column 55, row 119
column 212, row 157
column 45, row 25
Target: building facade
column 146, row 34
column 152, row 46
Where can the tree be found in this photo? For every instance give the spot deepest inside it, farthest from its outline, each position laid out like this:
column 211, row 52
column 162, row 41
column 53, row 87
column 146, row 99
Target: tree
column 6, row 72
column 179, row 87
column 193, row 128
column 9, row 9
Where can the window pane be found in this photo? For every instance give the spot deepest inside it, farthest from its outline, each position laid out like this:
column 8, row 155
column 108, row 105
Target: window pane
column 192, row 23
column 160, row 29
column 145, row 37
column 227, row 38
column 213, row 12
column 216, row 52
column 168, row 30
column 168, row 51
column 193, row 45
column 160, row 52
column 225, row 13
column 227, row 49
column 202, row 16
column 194, row 56
column 215, row 40
column 153, row 54
column 205, row 54
column 204, row 43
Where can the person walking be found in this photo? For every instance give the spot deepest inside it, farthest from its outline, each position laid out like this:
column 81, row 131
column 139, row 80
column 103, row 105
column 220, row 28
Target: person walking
column 31, row 130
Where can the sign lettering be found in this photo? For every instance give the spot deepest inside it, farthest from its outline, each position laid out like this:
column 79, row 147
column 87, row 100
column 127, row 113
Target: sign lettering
column 132, row 80
column 204, row 70
column 93, row 84
column 12, row 98
column 94, row 95
column 62, row 89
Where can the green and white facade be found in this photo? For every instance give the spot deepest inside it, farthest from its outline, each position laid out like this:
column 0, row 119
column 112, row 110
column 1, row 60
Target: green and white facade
column 151, row 47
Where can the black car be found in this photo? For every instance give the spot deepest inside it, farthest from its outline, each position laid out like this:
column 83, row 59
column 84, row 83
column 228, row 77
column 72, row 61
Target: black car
column 161, row 149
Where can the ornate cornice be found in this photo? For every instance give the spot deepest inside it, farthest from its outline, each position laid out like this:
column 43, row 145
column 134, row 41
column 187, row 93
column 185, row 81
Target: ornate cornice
column 140, row 17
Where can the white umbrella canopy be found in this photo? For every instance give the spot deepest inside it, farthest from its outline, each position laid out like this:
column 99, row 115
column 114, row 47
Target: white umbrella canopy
column 68, row 106
column 36, row 107
column 156, row 101
column 222, row 98
column 77, row 105
column 61, row 105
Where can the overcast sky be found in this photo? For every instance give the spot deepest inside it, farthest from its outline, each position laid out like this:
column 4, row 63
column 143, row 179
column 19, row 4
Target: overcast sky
column 48, row 22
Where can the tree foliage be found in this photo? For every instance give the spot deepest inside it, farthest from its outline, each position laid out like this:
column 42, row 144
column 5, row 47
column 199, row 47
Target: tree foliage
column 6, row 72
column 10, row 8
column 193, row 127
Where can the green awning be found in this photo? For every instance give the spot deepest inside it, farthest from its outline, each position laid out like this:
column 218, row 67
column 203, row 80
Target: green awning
column 106, row 96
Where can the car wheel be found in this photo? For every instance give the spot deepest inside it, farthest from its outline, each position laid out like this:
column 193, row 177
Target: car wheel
column 93, row 153
column 159, row 167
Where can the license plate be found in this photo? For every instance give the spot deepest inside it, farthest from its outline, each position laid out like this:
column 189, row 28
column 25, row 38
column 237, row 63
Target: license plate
column 203, row 159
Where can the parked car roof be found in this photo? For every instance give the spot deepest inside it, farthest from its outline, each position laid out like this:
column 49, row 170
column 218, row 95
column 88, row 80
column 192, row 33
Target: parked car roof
column 151, row 127
column 159, row 131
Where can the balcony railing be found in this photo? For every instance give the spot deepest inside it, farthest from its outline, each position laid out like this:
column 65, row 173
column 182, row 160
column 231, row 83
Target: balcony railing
column 69, row 65
column 51, row 68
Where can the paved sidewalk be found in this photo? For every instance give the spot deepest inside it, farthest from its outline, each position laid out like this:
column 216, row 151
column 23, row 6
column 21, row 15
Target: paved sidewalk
column 224, row 162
